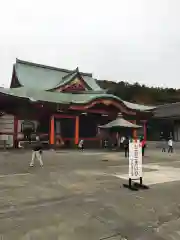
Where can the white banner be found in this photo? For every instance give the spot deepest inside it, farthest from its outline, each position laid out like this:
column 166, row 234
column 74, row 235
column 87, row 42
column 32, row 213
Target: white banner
column 135, row 159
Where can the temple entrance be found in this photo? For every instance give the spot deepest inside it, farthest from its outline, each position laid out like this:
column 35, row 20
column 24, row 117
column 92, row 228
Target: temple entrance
column 64, row 131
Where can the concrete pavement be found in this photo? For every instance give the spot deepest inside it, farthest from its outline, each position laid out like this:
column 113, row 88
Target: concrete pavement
column 80, row 196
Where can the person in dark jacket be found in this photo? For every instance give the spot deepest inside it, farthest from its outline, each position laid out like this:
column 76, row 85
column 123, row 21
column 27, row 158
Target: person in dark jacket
column 126, row 147
column 37, row 152
column 164, row 145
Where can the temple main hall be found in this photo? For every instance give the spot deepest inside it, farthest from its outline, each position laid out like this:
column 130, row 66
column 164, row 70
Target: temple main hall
column 60, row 105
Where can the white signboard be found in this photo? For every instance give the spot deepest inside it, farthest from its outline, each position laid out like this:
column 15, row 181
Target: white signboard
column 135, row 159
column 7, row 123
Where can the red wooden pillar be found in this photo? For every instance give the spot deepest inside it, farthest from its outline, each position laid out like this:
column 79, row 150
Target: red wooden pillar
column 145, row 129
column 77, row 130
column 52, row 131
column 15, row 135
column 134, row 131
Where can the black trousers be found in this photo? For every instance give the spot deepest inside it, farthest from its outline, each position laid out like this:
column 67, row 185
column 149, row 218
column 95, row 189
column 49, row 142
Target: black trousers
column 170, row 150
column 82, row 147
column 126, row 151
column 163, row 149
column 143, row 150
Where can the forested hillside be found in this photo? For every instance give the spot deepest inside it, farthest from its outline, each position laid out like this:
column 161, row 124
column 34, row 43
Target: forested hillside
column 140, row 93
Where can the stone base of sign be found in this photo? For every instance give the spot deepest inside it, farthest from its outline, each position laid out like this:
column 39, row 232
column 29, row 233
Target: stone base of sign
column 134, row 186
column 130, row 185
column 141, row 185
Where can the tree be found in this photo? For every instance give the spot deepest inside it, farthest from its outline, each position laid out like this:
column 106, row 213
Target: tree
column 141, row 93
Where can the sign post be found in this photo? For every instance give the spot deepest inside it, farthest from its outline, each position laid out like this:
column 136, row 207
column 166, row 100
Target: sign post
column 135, row 166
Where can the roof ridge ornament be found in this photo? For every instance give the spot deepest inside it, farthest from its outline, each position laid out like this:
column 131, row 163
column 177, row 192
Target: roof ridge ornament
column 70, row 74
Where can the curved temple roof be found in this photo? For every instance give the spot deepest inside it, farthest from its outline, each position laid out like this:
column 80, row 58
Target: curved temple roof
column 37, row 82
column 67, row 98
column 41, row 77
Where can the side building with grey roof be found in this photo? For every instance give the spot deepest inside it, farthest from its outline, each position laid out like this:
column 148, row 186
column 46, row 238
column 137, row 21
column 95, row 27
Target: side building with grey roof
column 165, row 122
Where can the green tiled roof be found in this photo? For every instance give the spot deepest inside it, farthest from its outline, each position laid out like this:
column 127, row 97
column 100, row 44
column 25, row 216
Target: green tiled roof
column 66, row 98
column 120, row 122
column 138, row 106
column 31, row 75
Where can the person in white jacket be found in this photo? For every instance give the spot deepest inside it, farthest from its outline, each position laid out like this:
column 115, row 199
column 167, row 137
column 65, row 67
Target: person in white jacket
column 170, row 145
column 81, row 144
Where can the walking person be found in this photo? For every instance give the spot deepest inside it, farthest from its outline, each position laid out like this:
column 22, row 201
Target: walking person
column 122, row 142
column 105, row 143
column 143, row 145
column 37, row 152
column 81, row 144
column 164, row 143
column 126, row 147
column 170, row 146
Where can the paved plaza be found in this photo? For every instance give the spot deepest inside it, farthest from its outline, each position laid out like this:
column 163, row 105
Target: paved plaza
column 80, row 196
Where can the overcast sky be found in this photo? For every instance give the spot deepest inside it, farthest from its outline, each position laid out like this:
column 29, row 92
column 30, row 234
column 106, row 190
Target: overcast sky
column 132, row 40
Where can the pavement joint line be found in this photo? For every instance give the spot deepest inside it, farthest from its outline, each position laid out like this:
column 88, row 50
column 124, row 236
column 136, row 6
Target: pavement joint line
column 32, row 205
column 176, row 161
column 113, row 236
column 15, row 174
column 149, row 165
